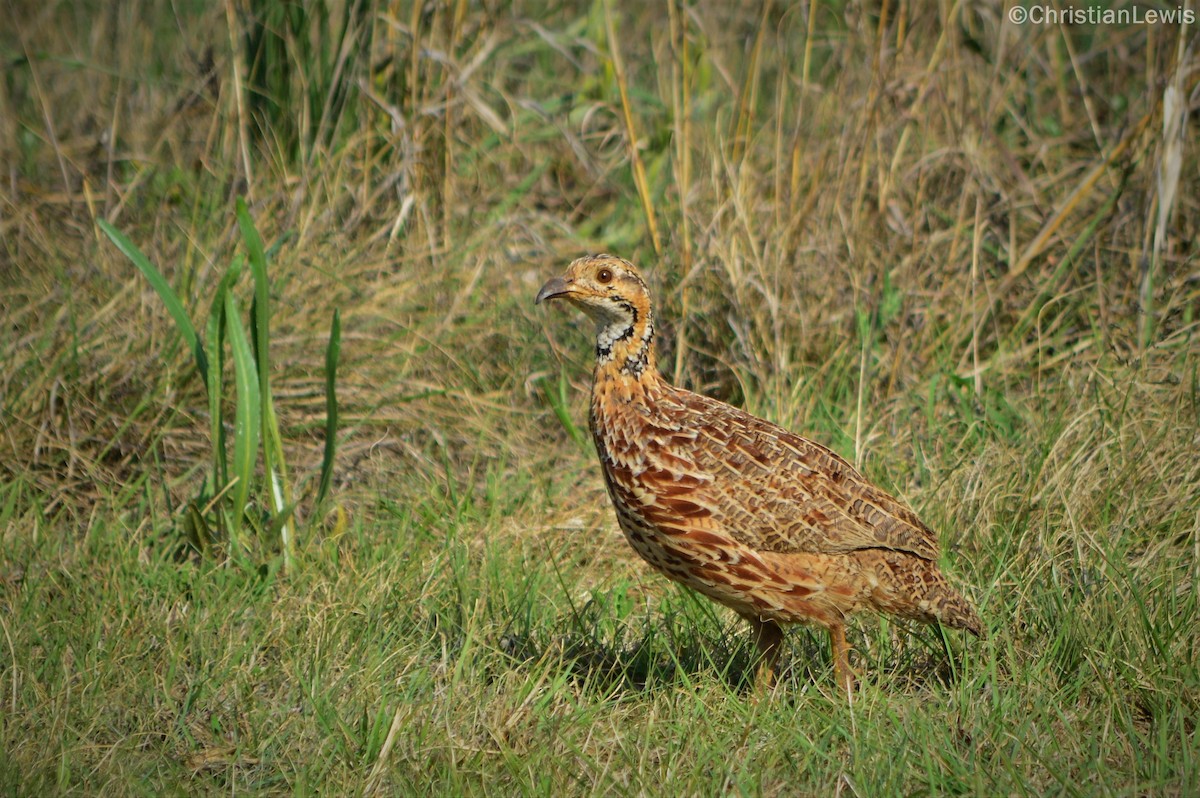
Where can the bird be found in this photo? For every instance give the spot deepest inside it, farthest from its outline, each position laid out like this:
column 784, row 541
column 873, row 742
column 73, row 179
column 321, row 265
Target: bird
column 777, row 527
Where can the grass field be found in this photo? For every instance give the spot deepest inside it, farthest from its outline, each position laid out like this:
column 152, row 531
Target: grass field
column 962, row 252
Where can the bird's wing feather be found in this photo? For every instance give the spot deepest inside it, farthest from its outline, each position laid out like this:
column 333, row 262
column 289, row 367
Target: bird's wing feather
column 779, row 492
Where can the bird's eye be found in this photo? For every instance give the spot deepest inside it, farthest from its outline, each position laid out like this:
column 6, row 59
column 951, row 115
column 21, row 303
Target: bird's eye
column 604, row 276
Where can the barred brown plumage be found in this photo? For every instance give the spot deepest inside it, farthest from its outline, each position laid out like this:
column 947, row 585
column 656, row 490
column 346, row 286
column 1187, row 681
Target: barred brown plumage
column 770, row 524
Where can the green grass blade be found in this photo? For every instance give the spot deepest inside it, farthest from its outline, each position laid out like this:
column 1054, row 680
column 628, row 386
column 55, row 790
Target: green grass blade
column 196, row 528
column 246, row 417
column 165, row 292
column 561, row 404
column 258, row 267
column 215, row 337
column 332, row 354
column 281, row 519
column 274, row 464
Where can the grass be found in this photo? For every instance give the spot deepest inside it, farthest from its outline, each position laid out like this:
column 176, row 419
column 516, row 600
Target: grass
column 959, row 251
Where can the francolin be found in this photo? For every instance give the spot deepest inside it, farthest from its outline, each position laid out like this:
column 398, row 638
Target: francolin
column 776, row 527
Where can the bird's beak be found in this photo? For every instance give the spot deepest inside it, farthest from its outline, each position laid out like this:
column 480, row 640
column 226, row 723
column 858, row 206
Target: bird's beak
column 552, row 290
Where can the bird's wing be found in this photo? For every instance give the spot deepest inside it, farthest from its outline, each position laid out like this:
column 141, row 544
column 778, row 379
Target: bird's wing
column 775, row 491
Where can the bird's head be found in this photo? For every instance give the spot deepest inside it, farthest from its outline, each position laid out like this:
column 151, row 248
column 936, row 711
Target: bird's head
column 610, row 291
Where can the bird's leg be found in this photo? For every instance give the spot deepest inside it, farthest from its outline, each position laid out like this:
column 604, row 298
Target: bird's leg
column 767, row 637
column 841, row 658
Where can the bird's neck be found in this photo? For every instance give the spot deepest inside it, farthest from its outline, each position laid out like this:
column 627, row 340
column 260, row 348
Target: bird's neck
column 625, row 346
column 626, row 388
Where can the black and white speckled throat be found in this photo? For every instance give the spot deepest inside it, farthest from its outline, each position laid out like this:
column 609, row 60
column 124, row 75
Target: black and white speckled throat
column 615, row 332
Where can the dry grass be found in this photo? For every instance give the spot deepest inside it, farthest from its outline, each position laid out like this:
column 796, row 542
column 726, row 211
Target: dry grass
column 925, row 236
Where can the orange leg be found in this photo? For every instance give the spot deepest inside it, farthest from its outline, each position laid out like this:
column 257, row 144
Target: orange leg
column 841, row 658
column 768, row 635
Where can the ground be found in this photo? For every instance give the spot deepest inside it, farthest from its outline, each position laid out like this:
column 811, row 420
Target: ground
column 942, row 243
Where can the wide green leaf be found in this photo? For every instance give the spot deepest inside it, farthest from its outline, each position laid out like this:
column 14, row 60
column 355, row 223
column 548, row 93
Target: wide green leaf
column 332, row 354
column 246, row 416
column 274, row 465
column 215, row 336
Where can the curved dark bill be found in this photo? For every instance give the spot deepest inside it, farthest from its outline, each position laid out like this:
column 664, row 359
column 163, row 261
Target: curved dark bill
column 554, row 288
